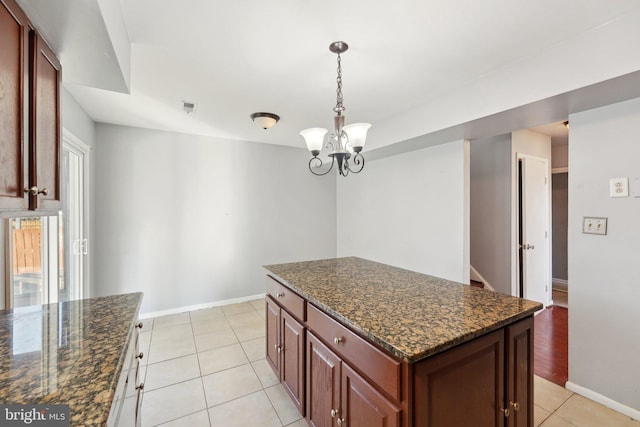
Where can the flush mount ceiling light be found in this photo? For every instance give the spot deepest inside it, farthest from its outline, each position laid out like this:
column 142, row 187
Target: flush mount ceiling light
column 265, row 120
column 346, row 142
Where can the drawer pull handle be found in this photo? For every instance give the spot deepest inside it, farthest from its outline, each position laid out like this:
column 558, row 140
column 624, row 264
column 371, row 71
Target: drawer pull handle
column 139, row 325
column 334, row 412
column 140, row 387
column 140, row 355
column 280, row 294
column 338, row 340
column 506, row 412
column 516, row 406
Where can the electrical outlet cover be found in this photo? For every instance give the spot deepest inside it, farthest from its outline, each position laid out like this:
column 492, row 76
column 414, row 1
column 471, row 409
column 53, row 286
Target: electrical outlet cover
column 619, row 187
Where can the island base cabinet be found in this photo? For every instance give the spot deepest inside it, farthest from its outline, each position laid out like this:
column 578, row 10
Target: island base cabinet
column 519, row 382
column 338, row 396
column 462, row 387
column 285, row 339
column 487, row 382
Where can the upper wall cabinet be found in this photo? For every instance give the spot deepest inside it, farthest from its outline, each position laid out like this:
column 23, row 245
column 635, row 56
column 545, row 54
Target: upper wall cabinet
column 30, row 131
column 14, row 83
column 45, row 132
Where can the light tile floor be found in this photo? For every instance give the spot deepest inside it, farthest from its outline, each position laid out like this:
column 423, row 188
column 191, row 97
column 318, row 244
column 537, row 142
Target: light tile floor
column 207, row 368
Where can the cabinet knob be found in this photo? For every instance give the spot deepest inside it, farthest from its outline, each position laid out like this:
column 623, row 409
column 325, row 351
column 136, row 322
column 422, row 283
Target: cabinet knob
column 278, row 348
column 140, row 355
column 139, row 325
column 280, row 294
column 506, row 412
column 334, row 412
column 340, row 422
column 140, row 386
column 515, row 405
column 35, row 191
column 338, row 340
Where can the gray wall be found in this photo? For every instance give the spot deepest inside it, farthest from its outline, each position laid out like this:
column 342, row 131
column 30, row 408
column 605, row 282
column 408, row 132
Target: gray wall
column 491, row 210
column 604, row 319
column 190, row 220
column 493, row 203
column 560, row 212
column 410, row 210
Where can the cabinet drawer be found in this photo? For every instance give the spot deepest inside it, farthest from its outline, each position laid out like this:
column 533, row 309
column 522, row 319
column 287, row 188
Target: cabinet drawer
column 382, row 369
column 288, row 299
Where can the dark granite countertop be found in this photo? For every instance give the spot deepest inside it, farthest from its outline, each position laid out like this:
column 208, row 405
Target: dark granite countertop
column 412, row 315
column 67, row 353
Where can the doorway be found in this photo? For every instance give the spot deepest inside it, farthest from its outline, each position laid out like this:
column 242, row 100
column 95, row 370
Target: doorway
column 533, row 247
column 46, row 256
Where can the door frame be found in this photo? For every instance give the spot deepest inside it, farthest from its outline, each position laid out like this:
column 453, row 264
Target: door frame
column 515, row 250
column 76, row 145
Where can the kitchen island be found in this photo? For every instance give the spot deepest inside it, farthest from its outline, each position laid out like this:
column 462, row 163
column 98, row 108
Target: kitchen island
column 357, row 342
column 81, row 353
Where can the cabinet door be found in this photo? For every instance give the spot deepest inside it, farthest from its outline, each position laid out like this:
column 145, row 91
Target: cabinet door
column 45, row 131
column 463, row 386
column 292, row 359
column 323, row 384
column 272, row 321
column 14, row 57
column 364, row 406
column 519, row 380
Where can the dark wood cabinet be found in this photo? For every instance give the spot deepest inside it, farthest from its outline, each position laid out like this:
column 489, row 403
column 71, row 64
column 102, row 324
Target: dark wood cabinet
column 45, row 131
column 487, row 382
column 14, row 85
column 323, row 383
column 350, row 381
column 338, row 396
column 463, row 386
column 285, row 341
column 519, row 384
column 30, row 130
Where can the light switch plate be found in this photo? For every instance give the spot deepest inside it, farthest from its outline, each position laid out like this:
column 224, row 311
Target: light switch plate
column 619, row 187
column 594, row 225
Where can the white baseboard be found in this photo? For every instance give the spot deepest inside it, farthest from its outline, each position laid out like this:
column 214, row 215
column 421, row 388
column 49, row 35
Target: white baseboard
column 199, row 306
column 478, row 278
column 560, row 284
column 604, row 400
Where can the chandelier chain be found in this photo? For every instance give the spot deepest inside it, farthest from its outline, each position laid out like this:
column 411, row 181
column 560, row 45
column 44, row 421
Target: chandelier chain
column 339, row 100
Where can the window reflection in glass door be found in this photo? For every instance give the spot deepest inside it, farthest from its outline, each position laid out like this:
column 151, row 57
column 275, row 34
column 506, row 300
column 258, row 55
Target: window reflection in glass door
column 34, row 252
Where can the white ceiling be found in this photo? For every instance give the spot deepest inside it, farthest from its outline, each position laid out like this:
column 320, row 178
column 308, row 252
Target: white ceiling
column 233, row 58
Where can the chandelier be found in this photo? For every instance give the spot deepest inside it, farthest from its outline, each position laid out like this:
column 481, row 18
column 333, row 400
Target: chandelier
column 346, row 142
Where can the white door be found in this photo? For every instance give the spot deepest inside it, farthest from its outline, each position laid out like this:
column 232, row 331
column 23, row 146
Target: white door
column 534, row 247
column 75, row 156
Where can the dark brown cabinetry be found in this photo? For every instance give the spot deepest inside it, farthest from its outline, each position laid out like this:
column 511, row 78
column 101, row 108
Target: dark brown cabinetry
column 338, row 396
column 351, row 381
column 486, row 382
column 30, row 132
column 285, row 339
column 45, row 132
column 14, row 83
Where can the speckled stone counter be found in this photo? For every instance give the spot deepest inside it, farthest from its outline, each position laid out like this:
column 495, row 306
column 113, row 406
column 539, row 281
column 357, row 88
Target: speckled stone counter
column 67, row 353
column 411, row 315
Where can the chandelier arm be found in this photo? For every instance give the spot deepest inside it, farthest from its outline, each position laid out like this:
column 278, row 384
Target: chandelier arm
column 358, row 159
column 318, row 159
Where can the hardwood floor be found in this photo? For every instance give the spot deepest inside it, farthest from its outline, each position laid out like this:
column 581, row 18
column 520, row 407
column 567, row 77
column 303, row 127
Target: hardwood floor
column 551, row 345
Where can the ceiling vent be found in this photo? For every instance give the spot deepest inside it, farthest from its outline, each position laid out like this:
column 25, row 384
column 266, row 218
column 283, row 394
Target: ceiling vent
column 188, row 107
